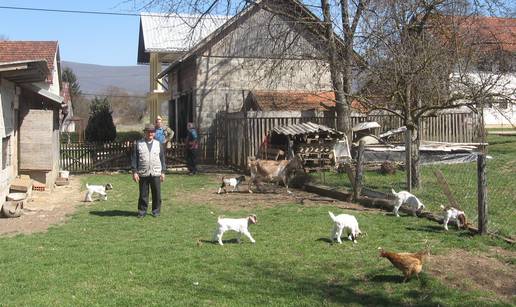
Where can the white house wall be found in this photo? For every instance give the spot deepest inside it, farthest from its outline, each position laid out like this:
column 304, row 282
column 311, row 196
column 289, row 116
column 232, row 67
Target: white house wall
column 53, row 87
column 7, row 129
column 496, row 115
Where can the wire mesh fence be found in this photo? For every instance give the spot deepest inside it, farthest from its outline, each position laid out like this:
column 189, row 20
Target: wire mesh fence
column 445, row 185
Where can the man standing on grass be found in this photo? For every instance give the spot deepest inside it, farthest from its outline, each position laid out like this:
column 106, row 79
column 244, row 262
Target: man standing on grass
column 148, row 168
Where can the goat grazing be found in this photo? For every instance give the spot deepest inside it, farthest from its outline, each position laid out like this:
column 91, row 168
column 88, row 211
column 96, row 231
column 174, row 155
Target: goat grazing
column 232, row 182
column 347, row 222
column 98, row 189
column 453, row 214
column 273, row 171
column 409, row 199
column 239, row 225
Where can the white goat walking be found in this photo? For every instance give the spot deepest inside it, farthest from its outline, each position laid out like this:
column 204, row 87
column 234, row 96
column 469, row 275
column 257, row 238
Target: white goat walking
column 99, row 189
column 344, row 222
column 409, row 199
column 239, row 225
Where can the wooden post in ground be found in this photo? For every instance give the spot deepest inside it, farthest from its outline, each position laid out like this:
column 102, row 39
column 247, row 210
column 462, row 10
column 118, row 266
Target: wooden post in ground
column 359, row 171
column 482, row 193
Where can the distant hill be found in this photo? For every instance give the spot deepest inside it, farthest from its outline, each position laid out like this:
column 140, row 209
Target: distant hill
column 95, row 79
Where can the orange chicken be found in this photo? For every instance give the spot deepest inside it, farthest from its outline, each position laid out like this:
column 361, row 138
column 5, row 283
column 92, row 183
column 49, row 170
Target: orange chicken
column 408, row 263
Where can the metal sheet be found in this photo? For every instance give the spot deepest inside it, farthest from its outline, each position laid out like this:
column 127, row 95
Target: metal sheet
column 365, row 125
column 304, row 128
column 174, row 32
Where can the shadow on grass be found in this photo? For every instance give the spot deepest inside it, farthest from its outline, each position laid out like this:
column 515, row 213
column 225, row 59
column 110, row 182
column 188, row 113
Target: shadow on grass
column 427, row 228
column 112, row 213
column 325, row 240
column 342, row 291
column 387, row 278
column 230, row 241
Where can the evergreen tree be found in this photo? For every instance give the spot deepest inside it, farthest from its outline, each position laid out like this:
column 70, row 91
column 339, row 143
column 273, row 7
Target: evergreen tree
column 100, row 123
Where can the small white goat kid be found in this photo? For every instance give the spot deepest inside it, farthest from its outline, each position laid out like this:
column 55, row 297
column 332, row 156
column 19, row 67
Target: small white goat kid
column 453, row 214
column 232, row 182
column 238, row 225
column 409, row 199
column 344, row 222
column 99, row 189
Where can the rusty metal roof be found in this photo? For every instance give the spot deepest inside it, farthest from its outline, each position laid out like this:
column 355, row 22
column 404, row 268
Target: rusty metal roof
column 304, row 128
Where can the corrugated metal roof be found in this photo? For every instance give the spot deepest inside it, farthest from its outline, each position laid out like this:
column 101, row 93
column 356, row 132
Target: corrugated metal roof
column 304, row 128
column 176, row 32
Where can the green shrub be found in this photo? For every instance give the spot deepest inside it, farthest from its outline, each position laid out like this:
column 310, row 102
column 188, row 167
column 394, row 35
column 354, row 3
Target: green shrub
column 100, row 124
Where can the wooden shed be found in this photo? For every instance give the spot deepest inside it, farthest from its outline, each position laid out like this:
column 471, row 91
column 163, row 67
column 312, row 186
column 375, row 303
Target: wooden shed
column 313, row 142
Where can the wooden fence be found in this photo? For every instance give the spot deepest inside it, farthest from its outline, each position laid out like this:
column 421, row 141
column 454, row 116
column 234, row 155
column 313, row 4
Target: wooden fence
column 87, row 157
column 239, row 135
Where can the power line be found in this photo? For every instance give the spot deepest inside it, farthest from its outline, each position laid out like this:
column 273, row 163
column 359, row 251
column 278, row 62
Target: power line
column 66, row 11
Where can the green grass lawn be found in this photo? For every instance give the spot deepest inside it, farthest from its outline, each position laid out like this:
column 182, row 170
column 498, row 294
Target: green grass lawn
column 462, row 179
column 105, row 256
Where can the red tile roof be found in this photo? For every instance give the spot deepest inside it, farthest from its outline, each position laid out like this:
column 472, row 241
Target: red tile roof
column 498, row 32
column 297, row 101
column 292, row 101
column 13, row 51
column 491, row 33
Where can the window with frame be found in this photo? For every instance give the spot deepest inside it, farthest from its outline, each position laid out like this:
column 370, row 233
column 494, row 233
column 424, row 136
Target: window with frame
column 6, row 152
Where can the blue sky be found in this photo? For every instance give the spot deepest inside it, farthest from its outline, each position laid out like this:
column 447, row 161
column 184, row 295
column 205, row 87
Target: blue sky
column 85, row 38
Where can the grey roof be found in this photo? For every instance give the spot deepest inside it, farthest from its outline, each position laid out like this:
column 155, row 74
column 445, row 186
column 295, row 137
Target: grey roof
column 365, row 126
column 304, row 128
column 174, row 33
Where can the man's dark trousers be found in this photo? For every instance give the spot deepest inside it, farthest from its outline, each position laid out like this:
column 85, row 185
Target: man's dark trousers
column 143, row 201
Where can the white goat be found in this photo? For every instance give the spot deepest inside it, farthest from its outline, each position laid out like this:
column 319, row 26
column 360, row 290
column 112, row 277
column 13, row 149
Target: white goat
column 232, row 182
column 409, row 199
column 99, row 189
column 238, row 225
column 453, row 214
column 347, row 222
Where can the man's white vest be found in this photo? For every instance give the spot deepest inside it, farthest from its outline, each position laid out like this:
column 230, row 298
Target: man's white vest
column 149, row 163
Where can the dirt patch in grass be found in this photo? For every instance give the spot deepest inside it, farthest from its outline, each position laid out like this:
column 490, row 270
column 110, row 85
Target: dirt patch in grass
column 467, row 270
column 271, row 196
column 44, row 208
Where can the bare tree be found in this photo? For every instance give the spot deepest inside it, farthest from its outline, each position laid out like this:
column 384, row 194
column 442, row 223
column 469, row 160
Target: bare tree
column 423, row 57
column 336, row 36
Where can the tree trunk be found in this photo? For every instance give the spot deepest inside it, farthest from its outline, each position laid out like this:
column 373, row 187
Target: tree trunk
column 335, row 72
column 415, row 159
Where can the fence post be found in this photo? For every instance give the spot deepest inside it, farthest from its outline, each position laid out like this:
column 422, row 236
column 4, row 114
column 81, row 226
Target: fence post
column 482, row 193
column 359, row 171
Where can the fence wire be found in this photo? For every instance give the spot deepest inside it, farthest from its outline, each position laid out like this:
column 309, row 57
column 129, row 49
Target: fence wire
column 447, row 185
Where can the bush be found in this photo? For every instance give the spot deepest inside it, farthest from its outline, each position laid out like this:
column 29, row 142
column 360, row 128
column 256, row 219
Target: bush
column 100, row 124
column 128, row 136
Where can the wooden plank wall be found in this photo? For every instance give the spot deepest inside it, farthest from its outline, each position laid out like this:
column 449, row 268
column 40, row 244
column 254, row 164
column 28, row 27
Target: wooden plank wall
column 85, row 157
column 239, row 135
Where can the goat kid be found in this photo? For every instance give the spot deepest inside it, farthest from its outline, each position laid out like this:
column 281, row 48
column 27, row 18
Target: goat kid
column 344, row 222
column 239, row 225
column 409, row 199
column 98, row 189
column 453, row 214
column 232, row 182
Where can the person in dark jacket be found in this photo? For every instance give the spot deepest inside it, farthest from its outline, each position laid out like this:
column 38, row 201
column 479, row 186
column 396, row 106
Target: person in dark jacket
column 192, row 144
column 148, row 169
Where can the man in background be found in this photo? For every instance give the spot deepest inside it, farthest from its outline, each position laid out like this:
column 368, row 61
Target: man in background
column 192, row 144
column 163, row 133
